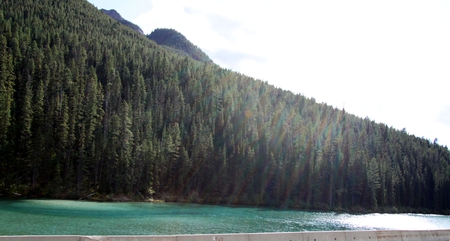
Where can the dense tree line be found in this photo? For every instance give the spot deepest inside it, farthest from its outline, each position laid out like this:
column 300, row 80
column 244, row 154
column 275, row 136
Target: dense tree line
column 88, row 105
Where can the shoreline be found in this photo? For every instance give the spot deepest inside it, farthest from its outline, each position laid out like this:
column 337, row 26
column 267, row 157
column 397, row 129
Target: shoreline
column 125, row 198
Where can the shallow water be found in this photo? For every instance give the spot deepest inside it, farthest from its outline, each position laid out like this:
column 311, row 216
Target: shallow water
column 62, row 217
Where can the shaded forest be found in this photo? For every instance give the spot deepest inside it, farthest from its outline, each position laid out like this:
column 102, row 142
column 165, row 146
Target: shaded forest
column 88, row 105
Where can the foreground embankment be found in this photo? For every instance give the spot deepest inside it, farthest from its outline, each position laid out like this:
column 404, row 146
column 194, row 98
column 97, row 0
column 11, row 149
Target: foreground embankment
column 385, row 235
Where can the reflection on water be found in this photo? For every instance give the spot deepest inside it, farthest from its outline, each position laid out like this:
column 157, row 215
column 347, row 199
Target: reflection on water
column 398, row 221
column 92, row 218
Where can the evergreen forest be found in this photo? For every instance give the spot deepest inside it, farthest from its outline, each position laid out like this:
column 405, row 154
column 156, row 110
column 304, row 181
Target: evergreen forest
column 90, row 107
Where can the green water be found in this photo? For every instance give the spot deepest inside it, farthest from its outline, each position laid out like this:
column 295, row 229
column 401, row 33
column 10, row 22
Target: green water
column 60, row 217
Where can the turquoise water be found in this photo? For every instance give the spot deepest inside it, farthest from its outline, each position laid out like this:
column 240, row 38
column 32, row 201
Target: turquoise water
column 61, row 217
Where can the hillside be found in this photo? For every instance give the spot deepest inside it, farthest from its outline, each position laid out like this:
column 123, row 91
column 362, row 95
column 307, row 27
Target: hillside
column 114, row 14
column 167, row 38
column 178, row 43
column 89, row 106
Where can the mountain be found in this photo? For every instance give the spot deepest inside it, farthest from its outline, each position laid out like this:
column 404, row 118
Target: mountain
column 115, row 15
column 178, row 43
column 90, row 108
column 168, row 38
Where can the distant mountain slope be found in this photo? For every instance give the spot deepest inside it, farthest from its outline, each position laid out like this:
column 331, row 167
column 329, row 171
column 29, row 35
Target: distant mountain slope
column 178, row 43
column 114, row 14
column 168, row 38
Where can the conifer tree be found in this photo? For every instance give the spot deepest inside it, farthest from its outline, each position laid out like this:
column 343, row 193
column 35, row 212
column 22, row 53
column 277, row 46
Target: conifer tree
column 6, row 90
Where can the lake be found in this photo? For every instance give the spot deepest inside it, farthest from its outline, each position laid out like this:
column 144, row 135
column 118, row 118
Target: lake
column 62, row 217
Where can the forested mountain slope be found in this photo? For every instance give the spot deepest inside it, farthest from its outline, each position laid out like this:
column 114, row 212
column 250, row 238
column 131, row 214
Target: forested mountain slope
column 88, row 105
column 178, row 43
column 114, row 14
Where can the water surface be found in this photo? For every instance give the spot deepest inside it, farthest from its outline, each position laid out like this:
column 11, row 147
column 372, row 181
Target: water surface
column 62, row 217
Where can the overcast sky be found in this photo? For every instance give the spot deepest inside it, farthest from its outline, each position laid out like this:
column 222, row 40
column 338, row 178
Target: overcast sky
column 387, row 60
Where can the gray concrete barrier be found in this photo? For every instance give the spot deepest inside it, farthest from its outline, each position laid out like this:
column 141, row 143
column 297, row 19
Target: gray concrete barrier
column 382, row 235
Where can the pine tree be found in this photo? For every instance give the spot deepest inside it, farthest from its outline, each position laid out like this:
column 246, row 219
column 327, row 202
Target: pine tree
column 6, row 90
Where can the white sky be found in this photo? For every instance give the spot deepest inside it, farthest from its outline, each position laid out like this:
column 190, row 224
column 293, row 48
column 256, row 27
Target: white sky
column 388, row 60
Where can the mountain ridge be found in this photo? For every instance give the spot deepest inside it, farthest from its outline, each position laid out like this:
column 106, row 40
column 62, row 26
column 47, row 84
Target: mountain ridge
column 171, row 39
column 178, row 42
column 115, row 15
